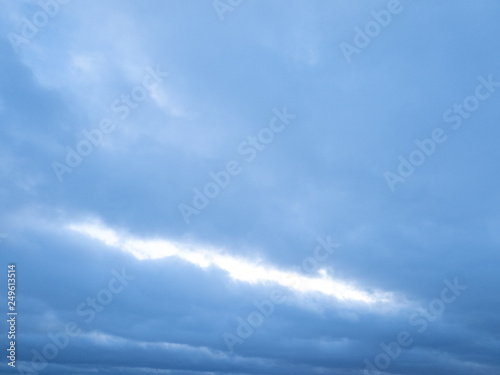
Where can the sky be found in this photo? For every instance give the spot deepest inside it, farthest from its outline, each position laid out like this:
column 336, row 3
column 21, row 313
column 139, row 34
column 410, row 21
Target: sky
column 245, row 187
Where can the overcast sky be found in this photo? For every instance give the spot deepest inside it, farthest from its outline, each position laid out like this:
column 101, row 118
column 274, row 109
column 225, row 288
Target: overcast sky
column 251, row 187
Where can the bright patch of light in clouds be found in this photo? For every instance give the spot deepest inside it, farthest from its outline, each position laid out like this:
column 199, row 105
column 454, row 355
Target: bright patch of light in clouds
column 238, row 268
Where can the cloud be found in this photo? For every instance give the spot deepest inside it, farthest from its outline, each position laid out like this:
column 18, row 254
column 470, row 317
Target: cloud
column 323, row 177
column 252, row 271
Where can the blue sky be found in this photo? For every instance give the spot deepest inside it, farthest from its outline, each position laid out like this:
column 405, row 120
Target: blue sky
column 251, row 187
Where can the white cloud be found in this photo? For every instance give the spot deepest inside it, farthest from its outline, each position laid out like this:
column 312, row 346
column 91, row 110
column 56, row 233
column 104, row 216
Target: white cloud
column 240, row 269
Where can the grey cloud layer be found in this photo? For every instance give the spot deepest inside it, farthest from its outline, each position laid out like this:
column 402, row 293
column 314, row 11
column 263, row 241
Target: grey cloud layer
column 324, row 174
